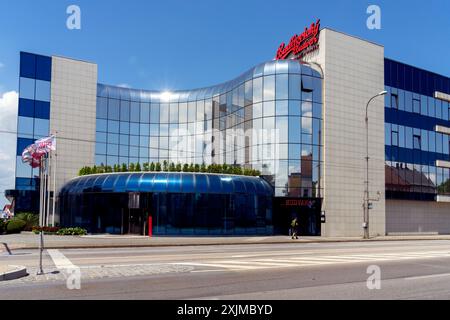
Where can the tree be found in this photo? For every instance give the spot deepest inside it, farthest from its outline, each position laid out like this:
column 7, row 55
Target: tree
column 197, row 167
column 165, row 166
column 145, row 166
column 108, row 169
column 94, row 169
column 178, row 167
column 138, row 167
column 152, row 167
column 116, row 168
column 203, row 167
column 124, row 167
column 158, row 167
column 191, row 168
column 82, row 171
column 131, row 167
column 172, row 167
column 185, row 167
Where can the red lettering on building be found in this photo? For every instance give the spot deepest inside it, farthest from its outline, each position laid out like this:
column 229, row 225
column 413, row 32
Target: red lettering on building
column 302, row 44
column 299, row 203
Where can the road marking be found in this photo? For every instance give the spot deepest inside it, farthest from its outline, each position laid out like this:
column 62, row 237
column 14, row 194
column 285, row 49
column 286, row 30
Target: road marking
column 305, row 261
column 60, row 260
column 218, row 265
column 429, row 276
column 204, row 271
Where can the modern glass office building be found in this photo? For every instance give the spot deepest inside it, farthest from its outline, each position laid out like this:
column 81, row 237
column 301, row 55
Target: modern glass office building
column 298, row 120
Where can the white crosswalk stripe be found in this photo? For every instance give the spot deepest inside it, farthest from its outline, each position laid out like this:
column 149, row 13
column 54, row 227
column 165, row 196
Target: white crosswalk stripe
column 262, row 262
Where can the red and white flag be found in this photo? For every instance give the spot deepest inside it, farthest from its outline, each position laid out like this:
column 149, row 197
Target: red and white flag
column 34, row 152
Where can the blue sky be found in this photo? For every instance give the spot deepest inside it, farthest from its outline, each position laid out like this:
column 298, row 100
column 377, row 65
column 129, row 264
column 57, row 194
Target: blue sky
column 189, row 44
column 186, row 44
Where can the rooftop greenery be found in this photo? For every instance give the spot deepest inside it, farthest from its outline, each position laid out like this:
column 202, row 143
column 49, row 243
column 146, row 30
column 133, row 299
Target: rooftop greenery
column 170, row 167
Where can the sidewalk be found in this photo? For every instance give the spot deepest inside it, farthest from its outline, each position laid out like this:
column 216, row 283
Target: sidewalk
column 31, row 241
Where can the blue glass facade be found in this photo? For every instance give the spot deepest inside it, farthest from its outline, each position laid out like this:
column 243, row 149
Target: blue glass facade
column 33, row 123
column 229, row 123
column 179, row 203
column 412, row 144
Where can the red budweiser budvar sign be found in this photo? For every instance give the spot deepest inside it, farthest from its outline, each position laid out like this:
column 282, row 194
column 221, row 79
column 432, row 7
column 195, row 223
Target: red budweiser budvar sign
column 302, row 44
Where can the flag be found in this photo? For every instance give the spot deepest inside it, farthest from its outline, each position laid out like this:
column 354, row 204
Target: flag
column 45, row 145
column 34, row 152
column 30, row 156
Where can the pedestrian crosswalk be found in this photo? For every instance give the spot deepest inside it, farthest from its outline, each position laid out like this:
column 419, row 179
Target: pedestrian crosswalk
column 263, row 261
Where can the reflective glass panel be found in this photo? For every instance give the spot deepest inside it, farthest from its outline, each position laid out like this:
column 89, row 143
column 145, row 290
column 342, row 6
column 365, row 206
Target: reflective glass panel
column 43, row 90
column 27, row 87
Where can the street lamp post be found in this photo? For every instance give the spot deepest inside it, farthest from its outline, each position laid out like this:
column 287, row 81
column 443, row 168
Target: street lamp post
column 366, row 193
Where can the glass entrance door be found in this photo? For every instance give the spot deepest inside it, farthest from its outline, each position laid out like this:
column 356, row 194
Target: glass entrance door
column 136, row 221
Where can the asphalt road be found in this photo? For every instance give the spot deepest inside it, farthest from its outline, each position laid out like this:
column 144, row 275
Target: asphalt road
column 408, row 270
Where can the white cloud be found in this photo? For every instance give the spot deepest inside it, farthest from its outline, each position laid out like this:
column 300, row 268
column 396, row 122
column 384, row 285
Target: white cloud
column 8, row 123
column 1, row 65
column 124, row 85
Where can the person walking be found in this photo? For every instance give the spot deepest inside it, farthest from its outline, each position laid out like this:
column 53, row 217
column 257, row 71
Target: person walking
column 294, row 228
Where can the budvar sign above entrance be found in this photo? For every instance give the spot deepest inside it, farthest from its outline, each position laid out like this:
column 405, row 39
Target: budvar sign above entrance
column 302, row 44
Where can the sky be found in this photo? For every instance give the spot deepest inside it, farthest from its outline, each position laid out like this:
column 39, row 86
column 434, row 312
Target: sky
column 171, row 45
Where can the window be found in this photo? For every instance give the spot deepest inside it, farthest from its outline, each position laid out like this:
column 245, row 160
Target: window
column 154, row 113
column 26, row 108
column 173, row 113
column 416, row 106
column 134, row 128
column 42, row 110
column 282, row 108
column 27, row 87
column 282, row 126
column 394, row 101
column 113, row 109
column 394, row 138
column 269, row 109
column 294, row 86
column 145, row 112
column 269, row 88
column 257, row 90
column 113, row 138
column 124, row 127
column 102, row 108
column 27, row 65
column 113, row 126
column 42, row 90
column 23, row 170
column 25, row 127
column 248, row 93
column 282, row 87
column 43, row 68
column 41, row 127
column 417, row 142
column 307, row 83
column 134, row 112
column 294, row 130
column 101, row 125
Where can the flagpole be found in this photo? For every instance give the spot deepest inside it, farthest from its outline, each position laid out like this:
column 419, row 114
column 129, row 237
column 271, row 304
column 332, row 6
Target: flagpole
column 41, row 220
column 44, row 217
column 54, row 186
column 49, row 170
column 41, row 188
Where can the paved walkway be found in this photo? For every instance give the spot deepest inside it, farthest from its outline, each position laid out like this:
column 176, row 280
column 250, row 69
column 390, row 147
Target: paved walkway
column 31, row 241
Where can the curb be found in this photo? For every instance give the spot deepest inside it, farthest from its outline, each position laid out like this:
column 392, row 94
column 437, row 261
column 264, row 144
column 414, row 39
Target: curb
column 150, row 245
column 16, row 273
